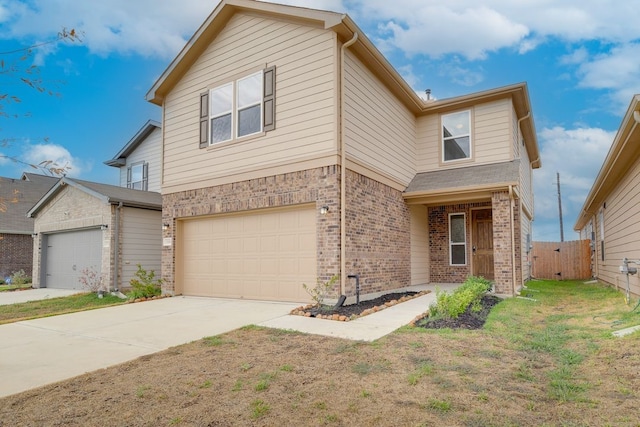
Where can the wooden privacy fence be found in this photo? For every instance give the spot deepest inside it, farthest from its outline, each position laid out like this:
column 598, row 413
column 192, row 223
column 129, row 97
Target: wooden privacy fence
column 561, row 260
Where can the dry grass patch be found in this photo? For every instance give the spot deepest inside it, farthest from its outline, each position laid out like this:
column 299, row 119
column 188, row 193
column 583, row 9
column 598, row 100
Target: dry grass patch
column 527, row 367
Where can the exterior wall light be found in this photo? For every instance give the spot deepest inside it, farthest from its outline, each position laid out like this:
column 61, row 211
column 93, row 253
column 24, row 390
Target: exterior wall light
column 324, row 210
column 165, row 226
column 104, row 227
column 34, row 235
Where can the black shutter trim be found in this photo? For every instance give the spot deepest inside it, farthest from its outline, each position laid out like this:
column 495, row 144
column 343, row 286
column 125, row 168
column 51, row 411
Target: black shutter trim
column 269, row 100
column 204, row 120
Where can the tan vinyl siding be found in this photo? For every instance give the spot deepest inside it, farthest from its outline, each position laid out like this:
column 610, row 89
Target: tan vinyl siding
column 492, row 141
column 141, row 242
column 380, row 132
column 621, row 230
column 419, row 245
column 305, row 101
column 491, row 137
column 148, row 151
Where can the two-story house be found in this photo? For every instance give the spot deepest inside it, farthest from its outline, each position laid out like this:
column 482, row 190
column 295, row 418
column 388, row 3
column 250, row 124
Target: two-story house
column 107, row 229
column 293, row 151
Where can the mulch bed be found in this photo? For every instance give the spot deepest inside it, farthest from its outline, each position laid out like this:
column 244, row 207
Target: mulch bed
column 467, row 320
column 353, row 311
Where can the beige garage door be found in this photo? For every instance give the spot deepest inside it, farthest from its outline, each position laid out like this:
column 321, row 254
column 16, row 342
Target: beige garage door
column 261, row 255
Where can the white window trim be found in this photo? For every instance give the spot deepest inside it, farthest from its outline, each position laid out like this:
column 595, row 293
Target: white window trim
column 235, row 109
column 451, row 243
column 442, row 138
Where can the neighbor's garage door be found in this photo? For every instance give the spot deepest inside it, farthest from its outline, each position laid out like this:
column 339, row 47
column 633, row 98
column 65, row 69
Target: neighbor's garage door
column 261, row 255
column 68, row 254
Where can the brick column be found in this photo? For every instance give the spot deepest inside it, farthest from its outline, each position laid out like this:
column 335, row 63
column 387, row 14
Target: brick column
column 502, row 243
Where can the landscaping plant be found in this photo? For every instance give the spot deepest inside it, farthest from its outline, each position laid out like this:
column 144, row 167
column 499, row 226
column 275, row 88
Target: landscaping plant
column 145, row 284
column 452, row 305
column 91, row 280
column 320, row 291
column 20, row 278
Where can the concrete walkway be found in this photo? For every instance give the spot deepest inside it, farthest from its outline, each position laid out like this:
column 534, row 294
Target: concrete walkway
column 37, row 352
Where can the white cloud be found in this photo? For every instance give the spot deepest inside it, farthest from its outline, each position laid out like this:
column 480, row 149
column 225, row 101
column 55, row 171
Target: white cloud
column 578, row 155
column 60, row 156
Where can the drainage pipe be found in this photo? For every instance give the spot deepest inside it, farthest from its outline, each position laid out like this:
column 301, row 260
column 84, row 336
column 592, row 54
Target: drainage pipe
column 513, row 237
column 116, row 254
column 343, row 171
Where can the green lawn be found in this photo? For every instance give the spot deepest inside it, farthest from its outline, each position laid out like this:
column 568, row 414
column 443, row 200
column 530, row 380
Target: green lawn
column 55, row 306
column 4, row 288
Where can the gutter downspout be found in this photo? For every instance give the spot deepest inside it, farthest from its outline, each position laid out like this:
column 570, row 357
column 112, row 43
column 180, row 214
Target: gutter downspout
column 343, row 173
column 116, row 254
column 513, row 237
column 520, row 120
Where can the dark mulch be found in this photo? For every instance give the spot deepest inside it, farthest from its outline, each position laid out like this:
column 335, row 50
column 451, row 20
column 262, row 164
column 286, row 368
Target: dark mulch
column 357, row 309
column 467, row 320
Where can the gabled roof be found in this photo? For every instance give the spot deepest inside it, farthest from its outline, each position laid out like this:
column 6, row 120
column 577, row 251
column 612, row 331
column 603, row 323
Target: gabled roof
column 121, row 158
column 345, row 28
column 624, row 151
column 109, row 194
column 19, row 195
column 473, row 181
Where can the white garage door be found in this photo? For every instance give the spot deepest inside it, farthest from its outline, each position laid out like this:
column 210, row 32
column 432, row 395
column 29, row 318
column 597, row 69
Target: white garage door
column 68, row 254
column 262, row 255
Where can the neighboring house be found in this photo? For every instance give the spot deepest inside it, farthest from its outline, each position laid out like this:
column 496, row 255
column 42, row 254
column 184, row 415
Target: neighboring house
column 81, row 224
column 293, row 151
column 17, row 196
column 139, row 160
column 86, row 225
column 610, row 216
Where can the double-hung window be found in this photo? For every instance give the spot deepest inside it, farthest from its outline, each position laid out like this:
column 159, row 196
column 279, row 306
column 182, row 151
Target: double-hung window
column 457, row 239
column 137, row 176
column 456, row 136
column 237, row 109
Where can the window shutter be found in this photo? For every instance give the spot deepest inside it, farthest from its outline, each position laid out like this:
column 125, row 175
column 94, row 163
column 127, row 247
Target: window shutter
column 204, row 119
column 269, row 100
column 129, row 177
column 145, row 176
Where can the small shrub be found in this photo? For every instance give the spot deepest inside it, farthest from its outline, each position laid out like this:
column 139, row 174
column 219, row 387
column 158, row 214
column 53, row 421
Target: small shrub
column 20, row 278
column 320, row 291
column 145, row 284
column 91, row 280
column 452, row 305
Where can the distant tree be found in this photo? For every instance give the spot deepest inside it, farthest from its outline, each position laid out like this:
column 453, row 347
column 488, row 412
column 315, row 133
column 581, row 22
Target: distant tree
column 24, row 71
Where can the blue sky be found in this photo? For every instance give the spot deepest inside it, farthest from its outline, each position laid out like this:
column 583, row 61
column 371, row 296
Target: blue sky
column 580, row 58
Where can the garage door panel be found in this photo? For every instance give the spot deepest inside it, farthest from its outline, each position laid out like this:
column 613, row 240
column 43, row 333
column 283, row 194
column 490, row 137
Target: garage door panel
column 69, row 253
column 262, row 255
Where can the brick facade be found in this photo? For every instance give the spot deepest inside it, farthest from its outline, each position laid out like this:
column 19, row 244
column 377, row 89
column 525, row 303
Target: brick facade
column 16, row 253
column 320, row 186
column 378, row 242
column 440, row 269
column 503, row 244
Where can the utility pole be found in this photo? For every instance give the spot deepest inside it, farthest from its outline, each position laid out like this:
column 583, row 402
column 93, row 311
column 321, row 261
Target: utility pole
column 560, row 207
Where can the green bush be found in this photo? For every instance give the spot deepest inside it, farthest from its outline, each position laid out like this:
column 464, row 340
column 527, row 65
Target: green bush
column 469, row 294
column 20, row 278
column 145, row 285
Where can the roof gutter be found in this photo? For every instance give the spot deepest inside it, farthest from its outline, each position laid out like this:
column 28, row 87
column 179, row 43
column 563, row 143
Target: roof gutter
column 343, row 172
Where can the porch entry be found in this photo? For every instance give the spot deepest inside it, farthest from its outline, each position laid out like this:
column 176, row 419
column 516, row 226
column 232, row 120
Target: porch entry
column 482, row 241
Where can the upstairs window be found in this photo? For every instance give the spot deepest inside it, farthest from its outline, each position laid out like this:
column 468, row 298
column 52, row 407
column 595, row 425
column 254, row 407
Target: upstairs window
column 239, row 108
column 137, row 178
column 456, row 136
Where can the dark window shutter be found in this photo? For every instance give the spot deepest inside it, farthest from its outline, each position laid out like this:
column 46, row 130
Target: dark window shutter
column 145, row 176
column 269, row 101
column 204, row 119
column 129, row 177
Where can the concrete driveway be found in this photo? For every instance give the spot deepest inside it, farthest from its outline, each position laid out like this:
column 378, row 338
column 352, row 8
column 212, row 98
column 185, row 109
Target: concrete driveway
column 42, row 351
